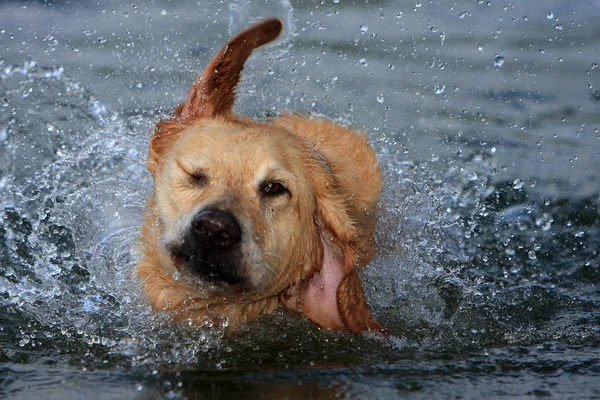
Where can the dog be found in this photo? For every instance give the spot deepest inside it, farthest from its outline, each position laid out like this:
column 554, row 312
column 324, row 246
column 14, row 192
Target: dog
column 248, row 216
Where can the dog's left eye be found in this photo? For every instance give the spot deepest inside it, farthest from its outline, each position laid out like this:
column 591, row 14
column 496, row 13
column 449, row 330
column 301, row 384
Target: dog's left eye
column 273, row 189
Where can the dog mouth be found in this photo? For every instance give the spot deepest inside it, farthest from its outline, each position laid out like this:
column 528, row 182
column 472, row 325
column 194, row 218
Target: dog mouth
column 210, row 248
column 215, row 269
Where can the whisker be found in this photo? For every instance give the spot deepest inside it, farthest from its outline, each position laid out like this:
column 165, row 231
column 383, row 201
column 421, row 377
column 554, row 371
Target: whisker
column 274, row 255
column 269, row 267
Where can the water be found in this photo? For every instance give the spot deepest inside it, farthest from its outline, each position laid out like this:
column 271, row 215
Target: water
column 485, row 117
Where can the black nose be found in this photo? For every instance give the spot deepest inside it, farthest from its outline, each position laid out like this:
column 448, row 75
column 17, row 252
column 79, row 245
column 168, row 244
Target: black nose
column 216, row 229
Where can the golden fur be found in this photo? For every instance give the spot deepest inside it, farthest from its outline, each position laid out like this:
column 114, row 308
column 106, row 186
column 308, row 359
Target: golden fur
column 302, row 191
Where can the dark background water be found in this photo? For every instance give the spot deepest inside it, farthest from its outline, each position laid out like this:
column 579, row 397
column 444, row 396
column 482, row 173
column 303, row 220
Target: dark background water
column 485, row 117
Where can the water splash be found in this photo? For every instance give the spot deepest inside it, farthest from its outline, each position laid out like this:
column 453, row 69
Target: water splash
column 456, row 248
column 72, row 204
column 73, row 193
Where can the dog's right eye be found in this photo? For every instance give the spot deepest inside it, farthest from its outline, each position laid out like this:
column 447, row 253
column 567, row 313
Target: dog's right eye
column 194, row 178
column 199, row 178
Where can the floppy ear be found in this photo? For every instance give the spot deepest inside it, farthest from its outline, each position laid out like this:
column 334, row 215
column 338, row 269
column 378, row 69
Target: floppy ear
column 352, row 307
column 333, row 215
column 165, row 133
column 354, row 310
column 213, row 93
column 333, row 296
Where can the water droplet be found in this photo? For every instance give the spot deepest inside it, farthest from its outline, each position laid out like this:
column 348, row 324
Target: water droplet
column 531, row 255
column 363, row 62
column 499, row 61
column 550, row 15
column 472, row 176
column 363, row 28
column 439, row 89
column 518, row 183
column 380, row 99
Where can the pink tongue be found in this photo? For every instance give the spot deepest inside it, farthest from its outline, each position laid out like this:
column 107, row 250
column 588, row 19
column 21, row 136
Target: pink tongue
column 318, row 299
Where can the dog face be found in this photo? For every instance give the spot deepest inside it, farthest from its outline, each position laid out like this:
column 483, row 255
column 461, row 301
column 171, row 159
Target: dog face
column 250, row 215
column 237, row 206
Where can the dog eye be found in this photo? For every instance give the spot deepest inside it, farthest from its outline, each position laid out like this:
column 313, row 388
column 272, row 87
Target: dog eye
column 194, row 178
column 199, row 178
column 273, row 189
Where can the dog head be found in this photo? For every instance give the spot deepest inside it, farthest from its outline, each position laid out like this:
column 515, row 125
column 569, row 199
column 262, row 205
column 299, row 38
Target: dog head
column 245, row 210
column 237, row 198
column 237, row 204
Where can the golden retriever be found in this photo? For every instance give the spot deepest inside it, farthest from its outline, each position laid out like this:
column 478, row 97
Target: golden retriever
column 247, row 216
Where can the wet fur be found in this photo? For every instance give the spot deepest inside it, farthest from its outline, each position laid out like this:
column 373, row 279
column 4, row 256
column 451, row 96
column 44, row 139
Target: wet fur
column 329, row 214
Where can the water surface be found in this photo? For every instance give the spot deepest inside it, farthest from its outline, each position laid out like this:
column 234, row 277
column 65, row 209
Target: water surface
column 485, row 118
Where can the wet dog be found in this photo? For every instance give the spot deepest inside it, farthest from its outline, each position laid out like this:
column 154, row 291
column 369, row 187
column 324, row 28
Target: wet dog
column 248, row 216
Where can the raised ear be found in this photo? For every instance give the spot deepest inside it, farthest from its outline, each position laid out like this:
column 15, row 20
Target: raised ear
column 213, row 92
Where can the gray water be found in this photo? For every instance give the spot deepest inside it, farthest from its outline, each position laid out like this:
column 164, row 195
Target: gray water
column 485, row 117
